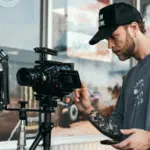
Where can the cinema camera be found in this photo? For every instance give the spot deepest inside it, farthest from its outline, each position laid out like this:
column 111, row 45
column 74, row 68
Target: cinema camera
column 50, row 77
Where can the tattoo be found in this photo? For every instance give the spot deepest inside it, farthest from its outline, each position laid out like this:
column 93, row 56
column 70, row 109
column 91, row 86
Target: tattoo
column 106, row 125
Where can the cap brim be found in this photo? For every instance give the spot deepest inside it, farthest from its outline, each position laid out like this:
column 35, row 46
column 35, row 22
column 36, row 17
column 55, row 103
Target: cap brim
column 103, row 33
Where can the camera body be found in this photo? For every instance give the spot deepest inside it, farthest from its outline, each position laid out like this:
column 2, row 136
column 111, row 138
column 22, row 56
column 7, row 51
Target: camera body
column 50, row 78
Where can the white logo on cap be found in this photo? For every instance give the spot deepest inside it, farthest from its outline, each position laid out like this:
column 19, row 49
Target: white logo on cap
column 101, row 23
column 101, row 17
column 101, row 20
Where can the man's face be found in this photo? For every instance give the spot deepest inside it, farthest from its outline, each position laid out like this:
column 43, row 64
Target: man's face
column 121, row 43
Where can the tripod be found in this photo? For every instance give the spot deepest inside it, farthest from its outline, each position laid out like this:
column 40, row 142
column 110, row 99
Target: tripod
column 46, row 126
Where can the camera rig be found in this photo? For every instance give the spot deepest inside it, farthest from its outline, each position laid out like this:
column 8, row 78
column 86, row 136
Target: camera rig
column 49, row 79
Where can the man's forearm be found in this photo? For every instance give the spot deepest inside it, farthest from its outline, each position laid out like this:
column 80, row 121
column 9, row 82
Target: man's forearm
column 105, row 125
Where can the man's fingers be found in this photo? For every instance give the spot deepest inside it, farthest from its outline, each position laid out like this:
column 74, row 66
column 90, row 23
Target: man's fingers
column 83, row 91
column 83, row 85
column 77, row 93
column 128, row 131
column 121, row 145
column 76, row 99
column 127, row 148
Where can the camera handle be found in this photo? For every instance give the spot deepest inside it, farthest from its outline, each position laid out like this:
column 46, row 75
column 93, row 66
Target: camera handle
column 23, row 122
column 46, row 126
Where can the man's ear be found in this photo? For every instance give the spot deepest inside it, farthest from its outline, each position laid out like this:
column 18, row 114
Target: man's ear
column 134, row 27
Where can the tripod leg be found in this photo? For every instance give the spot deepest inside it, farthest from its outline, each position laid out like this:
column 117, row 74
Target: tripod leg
column 36, row 141
column 47, row 135
column 46, row 142
column 45, row 127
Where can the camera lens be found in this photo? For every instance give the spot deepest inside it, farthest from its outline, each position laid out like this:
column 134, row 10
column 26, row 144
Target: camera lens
column 25, row 76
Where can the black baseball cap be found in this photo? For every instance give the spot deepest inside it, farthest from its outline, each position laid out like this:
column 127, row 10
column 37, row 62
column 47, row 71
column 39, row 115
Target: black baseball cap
column 111, row 17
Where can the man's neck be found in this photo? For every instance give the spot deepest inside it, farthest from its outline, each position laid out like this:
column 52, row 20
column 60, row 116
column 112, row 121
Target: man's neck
column 143, row 48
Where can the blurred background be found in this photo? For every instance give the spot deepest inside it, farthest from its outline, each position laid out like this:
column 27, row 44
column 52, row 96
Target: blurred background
column 65, row 26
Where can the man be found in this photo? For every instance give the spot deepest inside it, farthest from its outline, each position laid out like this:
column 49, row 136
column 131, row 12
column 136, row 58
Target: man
column 122, row 25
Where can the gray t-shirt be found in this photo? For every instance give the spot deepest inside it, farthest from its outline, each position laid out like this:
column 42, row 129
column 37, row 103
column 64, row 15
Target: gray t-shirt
column 136, row 95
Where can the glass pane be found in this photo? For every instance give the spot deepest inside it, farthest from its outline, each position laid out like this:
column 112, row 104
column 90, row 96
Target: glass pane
column 19, row 26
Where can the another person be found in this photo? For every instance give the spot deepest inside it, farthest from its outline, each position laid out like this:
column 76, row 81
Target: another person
column 122, row 25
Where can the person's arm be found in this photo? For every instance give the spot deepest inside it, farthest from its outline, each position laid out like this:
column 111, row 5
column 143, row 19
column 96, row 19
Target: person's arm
column 109, row 126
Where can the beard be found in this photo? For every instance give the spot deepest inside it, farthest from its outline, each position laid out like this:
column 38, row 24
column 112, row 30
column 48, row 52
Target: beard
column 128, row 50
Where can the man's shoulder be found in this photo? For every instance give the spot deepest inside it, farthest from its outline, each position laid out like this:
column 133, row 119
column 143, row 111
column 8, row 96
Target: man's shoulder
column 130, row 72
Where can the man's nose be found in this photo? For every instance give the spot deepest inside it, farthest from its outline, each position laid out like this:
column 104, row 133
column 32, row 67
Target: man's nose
column 110, row 43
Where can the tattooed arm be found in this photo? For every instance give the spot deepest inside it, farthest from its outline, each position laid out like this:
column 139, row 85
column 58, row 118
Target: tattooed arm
column 110, row 126
column 107, row 125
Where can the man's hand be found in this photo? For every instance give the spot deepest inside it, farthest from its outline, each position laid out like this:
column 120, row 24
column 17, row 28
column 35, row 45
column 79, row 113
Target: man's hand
column 82, row 99
column 138, row 140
